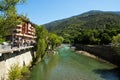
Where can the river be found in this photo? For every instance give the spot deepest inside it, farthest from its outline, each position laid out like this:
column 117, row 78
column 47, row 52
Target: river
column 67, row 65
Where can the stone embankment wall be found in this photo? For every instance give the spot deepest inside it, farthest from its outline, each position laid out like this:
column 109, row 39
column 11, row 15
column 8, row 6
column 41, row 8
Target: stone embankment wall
column 22, row 57
column 103, row 51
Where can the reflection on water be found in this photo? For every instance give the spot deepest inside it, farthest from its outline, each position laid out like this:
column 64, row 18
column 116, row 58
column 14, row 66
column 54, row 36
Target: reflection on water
column 66, row 65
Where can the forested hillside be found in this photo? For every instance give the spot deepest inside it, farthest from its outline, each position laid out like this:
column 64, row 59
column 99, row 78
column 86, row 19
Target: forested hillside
column 93, row 27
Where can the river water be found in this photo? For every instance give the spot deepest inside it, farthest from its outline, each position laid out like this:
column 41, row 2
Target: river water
column 67, row 65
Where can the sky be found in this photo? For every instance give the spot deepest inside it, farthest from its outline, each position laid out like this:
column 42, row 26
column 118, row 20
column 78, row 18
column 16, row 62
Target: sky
column 45, row 11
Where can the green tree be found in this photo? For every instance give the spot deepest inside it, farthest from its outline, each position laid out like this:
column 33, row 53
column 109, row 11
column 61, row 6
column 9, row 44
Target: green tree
column 41, row 47
column 42, row 42
column 41, row 32
column 53, row 39
column 45, row 39
column 116, row 43
column 105, row 38
column 8, row 16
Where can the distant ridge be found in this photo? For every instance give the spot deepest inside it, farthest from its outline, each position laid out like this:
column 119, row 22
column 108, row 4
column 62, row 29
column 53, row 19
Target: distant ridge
column 90, row 19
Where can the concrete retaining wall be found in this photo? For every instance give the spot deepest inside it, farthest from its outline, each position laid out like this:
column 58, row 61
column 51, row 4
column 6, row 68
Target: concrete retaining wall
column 22, row 58
column 102, row 51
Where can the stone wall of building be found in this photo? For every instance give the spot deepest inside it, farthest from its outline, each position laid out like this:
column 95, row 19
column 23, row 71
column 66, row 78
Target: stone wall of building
column 21, row 57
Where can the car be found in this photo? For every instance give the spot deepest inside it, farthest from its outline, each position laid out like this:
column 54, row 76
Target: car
column 5, row 43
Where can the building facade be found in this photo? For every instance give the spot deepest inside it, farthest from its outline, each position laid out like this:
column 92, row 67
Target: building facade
column 24, row 33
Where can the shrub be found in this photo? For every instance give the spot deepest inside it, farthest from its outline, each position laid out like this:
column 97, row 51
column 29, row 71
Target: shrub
column 25, row 73
column 1, row 39
column 18, row 73
column 14, row 72
column 24, row 70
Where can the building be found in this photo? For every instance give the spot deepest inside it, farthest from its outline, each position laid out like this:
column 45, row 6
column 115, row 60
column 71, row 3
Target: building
column 24, row 33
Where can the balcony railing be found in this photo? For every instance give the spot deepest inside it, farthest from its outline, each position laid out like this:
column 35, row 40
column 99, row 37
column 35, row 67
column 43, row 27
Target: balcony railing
column 24, row 35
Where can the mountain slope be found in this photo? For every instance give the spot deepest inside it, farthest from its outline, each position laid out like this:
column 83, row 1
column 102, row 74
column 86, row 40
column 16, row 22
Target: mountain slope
column 91, row 19
column 96, row 27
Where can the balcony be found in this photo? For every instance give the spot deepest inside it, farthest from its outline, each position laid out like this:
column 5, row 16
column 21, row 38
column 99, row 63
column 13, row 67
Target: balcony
column 19, row 25
column 25, row 35
column 18, row 30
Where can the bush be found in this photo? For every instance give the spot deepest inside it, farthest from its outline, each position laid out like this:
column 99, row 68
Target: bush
column 14, row 72
column 25, row 73
column 17, row 73
column 24, row 70
column 1, row 39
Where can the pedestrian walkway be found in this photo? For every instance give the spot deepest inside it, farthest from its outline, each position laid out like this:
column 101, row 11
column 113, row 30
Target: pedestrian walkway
column 8, row 49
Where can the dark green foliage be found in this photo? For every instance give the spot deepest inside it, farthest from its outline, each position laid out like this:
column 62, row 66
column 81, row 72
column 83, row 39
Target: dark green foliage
column 42, row 35
column 105, row 38
column 94, row 27
column 44, row 40
column 92, row 19
column 41, row 47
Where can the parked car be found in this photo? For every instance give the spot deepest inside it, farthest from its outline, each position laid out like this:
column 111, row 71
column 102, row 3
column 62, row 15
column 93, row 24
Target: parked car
column 5, row 43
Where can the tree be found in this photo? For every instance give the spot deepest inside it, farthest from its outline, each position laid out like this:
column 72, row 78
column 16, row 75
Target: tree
column 55, row 40
column 105, row 38
column 45, row 39
column 8, row 16
column 61, row 39
column 41, row 32
column 42, row 43
column 52, row 39
column 41, row 47
column 116, row 43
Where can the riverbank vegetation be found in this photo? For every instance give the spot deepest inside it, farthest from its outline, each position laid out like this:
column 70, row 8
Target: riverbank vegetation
column 99, row 29
column 93, row 27
column 18, row 73
column 46, row 41
column 116, row 43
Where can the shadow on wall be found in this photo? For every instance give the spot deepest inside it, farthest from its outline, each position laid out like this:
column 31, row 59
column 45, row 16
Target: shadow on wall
column 32, row 51
column 109, row 74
